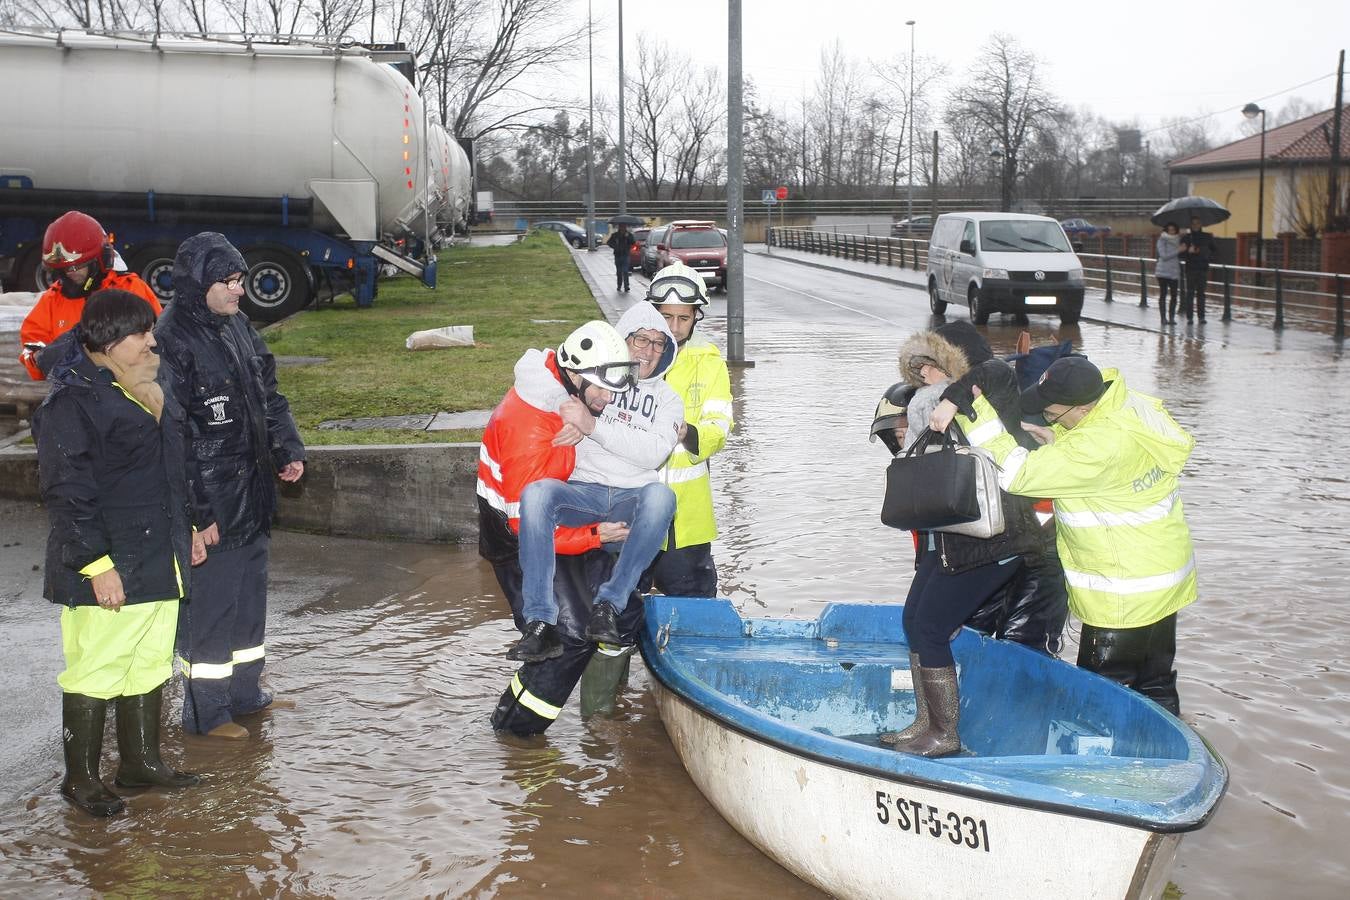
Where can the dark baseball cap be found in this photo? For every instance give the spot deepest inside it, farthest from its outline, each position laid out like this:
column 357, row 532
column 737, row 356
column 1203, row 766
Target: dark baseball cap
column 1070, row 381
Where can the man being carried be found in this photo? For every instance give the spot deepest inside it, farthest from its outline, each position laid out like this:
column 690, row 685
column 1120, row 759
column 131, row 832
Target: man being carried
column 615, row 480
column 522, row 443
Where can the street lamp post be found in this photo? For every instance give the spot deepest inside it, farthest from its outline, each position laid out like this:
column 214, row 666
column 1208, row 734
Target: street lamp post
column 623, row 146
column 590, row 133
column 1251, row 111
column 997, row 154
column 910, row 205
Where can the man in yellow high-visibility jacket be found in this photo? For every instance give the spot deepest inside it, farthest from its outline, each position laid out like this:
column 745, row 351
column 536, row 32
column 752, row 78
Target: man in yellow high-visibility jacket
column 1109, row 461
column 699, row 376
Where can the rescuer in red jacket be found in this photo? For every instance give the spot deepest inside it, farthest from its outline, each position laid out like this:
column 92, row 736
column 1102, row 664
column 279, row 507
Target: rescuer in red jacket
column 76, row 249
column 526, row 440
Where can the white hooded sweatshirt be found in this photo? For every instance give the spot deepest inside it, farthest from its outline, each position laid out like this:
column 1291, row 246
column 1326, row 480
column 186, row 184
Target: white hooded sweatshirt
column 635, row 433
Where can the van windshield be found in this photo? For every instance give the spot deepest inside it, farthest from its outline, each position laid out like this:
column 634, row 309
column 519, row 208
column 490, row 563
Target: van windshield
column 697, row 239
column 1023, row 236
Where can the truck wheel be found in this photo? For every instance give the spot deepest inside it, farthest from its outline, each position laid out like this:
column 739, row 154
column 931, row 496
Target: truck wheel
column 937, row 305
column 154, row 263
column 277, row 284
column 979, row 312
column 29, row 274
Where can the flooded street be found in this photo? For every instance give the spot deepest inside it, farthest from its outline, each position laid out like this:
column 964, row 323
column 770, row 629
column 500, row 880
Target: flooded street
column 387, row 780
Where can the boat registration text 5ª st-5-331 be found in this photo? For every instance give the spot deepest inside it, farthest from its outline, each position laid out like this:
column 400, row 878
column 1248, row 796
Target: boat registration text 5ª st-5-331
column 916, row 817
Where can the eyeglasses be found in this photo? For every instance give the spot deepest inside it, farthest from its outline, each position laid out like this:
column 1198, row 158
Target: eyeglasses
column 916, row 367
column 642, row 342
column 1060, row 416
column 233, row 284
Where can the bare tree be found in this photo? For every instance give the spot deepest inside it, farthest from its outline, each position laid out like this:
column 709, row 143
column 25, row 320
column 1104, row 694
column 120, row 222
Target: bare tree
column 896, row 78
column 1005, row 96
column 702, row 118
column 651, row 110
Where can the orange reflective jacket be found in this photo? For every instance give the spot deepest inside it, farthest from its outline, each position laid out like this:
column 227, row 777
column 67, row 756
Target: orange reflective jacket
column 55, row 314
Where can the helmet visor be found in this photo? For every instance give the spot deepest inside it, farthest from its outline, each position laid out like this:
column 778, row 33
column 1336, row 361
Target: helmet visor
column 676, row 289
column 617, row 377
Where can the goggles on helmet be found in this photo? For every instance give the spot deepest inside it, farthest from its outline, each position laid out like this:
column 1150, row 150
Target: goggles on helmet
column 677, row 289
column 617, row 377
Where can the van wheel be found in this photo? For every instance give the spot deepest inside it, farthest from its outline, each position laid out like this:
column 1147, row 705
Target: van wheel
column 154, row 263
column 277, row 284
column 937, row 305
column 1070, row 315
column 979, row 314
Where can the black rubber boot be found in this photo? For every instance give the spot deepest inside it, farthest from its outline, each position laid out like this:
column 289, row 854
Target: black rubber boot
column 138, row 744
column 82, row 720
column 944, row 713
column 1139, row 658
column 604, row 625
column 920, row 723
column 539, row 643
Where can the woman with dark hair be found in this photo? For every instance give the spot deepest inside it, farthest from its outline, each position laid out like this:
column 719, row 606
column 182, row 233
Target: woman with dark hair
column 1168, row 271
column 112, row 475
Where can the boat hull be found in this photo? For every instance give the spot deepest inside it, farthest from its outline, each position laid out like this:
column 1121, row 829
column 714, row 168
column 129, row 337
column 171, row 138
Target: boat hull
column 854, row 834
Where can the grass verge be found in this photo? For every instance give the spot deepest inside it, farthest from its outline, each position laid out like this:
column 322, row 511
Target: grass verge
column 527, row 294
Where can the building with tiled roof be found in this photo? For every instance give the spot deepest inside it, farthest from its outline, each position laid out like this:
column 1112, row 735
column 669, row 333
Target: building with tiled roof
column 1298, row 159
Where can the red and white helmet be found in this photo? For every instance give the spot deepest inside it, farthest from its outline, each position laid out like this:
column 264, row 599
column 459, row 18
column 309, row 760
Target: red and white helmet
column 72, row 240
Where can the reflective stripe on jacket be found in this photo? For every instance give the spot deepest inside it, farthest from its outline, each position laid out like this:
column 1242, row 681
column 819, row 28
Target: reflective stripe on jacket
column 1122, row 532
column 699, row 376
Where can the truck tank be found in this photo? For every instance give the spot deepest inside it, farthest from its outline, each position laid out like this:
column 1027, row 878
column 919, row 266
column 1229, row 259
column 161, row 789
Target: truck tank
column 451, row 177
column 206, row 117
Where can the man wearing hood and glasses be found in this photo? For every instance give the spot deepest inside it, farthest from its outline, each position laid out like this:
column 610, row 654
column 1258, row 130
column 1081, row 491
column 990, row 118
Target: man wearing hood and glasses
column 243, row 438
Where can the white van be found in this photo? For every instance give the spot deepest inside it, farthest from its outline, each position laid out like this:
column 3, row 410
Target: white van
column 1003, row 262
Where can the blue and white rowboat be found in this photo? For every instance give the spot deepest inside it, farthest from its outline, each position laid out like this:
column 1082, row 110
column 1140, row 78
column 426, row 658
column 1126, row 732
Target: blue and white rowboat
column 1069, row 785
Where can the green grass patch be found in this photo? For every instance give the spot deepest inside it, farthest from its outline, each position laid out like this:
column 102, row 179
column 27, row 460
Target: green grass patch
column 500, row 291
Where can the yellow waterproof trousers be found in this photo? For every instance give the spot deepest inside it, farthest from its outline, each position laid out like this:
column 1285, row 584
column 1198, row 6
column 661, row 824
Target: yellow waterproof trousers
column 118, row 653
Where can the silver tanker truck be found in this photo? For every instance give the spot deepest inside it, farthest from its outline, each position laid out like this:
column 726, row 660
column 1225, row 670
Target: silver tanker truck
column 312, row 157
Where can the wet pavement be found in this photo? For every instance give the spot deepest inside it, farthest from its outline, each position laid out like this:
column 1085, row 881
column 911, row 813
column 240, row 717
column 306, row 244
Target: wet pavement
column 387, row 780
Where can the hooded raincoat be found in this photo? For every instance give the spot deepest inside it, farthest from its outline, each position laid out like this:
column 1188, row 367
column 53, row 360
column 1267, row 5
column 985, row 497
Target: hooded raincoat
column 1123, row 538
column 223, row 375
column 637, row 432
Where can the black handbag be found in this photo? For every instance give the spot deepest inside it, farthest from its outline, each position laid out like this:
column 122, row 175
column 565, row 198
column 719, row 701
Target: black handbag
column 931, row 485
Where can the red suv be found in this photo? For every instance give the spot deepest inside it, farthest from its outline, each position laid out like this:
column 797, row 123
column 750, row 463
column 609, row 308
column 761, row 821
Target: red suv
column 699, row 245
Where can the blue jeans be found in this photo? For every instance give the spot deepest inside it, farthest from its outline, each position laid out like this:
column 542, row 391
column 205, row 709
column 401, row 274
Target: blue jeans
column 547, row 503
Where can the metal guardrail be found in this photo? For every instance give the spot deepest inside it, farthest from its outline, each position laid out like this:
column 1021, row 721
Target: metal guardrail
column 1277, row 297
column 716, row 207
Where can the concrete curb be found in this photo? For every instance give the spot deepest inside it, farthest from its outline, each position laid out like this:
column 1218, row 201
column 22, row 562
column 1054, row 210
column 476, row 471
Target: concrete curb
column 410, row 492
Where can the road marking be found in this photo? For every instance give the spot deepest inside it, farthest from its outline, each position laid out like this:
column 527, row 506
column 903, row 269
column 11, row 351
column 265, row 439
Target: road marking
column 784, row 287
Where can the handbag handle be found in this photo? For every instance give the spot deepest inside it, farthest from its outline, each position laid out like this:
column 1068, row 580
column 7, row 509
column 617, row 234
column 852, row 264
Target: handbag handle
column 927, row 437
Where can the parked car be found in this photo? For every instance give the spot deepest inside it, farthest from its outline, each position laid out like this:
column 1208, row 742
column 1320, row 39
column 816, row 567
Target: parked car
column 574, row 234
column 1083, row 228
column 649, row 260
column 919, row 225
column 699, row 245
column 1005, row 263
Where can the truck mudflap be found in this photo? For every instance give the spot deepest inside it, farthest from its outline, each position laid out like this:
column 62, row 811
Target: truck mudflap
column 424, row 271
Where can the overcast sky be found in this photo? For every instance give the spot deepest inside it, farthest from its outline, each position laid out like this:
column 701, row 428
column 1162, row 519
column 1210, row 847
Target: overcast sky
column 1137, row 61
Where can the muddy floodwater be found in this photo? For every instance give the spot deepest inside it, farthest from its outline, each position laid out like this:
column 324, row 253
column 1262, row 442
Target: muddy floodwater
column 386, row 781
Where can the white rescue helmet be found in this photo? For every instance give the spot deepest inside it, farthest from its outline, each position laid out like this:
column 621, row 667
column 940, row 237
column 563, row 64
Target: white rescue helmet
column 677, row 284
column 597, row 353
